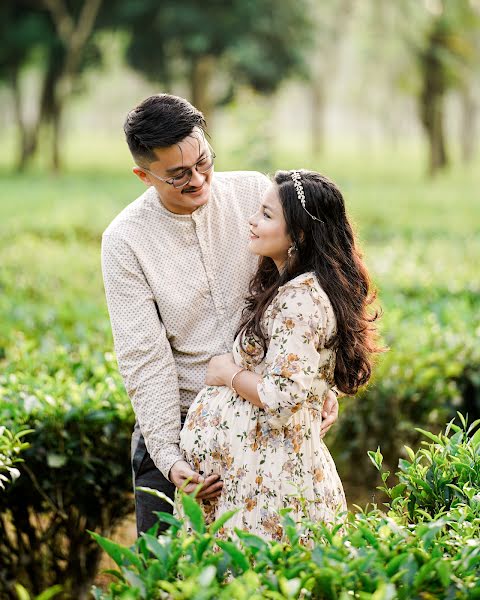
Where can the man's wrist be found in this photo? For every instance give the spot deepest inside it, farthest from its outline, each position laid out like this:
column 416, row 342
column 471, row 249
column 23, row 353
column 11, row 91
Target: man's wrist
column 170, row 471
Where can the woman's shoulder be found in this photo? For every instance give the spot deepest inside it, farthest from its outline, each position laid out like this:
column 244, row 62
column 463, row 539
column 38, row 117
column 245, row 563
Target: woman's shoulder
column 303, row 289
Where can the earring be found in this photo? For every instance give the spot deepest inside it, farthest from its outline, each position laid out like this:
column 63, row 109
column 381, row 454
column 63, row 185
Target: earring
column 291, row 250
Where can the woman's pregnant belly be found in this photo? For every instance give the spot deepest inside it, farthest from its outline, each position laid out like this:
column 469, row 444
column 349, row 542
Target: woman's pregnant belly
column 217, row 426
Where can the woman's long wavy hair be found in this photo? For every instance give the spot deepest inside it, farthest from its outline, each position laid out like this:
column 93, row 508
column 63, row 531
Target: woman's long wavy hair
column 328, row 248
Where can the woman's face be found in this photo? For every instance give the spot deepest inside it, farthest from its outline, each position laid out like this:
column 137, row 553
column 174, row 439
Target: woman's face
column 268, row 229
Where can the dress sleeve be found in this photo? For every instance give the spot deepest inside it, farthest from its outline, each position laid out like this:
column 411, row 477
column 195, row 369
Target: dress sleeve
column 293, row 355
column 143, row 352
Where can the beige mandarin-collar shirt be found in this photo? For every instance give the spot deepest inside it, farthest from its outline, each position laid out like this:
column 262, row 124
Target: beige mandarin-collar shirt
column 175, row 288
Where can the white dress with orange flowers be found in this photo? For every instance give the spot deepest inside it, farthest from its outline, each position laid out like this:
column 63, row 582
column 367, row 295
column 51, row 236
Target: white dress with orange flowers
column 269, row 457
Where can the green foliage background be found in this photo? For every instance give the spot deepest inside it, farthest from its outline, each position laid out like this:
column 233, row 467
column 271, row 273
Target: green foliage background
column 420, row 238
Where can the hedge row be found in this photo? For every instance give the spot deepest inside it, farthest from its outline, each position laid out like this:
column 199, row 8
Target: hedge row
column 425, row 545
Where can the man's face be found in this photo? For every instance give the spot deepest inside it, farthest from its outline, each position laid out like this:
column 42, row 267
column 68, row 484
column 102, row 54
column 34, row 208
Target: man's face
column 172, row 162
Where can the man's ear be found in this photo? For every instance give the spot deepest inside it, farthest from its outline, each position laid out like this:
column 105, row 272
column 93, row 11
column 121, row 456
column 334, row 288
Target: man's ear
column 142, row 175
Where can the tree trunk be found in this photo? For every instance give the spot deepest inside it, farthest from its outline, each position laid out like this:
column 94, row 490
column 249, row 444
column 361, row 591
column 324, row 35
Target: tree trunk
column 50, row 106
column 27, row 134
column 433, row 121
column 56, row 138
column 317, row 100
column 74, row 36
column 432, row 99
column 202, row 69
column 468, row 136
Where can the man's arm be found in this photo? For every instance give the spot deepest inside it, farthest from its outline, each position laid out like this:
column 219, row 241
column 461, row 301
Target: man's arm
column 144, row 355
column 146, row 363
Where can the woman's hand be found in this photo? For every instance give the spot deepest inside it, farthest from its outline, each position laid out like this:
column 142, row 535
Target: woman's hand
column 220, row 370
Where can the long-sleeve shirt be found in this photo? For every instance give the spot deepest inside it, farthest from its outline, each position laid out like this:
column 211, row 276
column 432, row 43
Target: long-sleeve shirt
column 175, row 288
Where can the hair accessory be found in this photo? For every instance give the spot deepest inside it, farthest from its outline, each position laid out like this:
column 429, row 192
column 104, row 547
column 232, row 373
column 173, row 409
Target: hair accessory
column 297, row 182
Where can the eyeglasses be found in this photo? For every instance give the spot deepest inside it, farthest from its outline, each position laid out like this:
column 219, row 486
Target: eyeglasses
column 202, row 166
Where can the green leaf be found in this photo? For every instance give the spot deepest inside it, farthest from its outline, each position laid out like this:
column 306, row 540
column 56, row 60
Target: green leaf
column 120, row 554
column 398, row 490
column 253, row 542
column 155, row 547
column 239, row 560
column 21, row 592
column 476, row 438
column 136, row 582
column 55, row 461
column 410, row 452
column 462, row 419
column 220, row 522
column 115, row 574
column 50, row 593
column 194, row 513
column 207, row 576
column 473, row 426
column 385, row 591
column 395, row 563
column 376, row 458
column 165, row 517
column 157, row 494
column 429, row 435
column 444, row 572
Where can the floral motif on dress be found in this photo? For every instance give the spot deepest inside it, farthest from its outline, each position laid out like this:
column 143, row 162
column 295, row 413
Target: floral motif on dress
column 268, row 458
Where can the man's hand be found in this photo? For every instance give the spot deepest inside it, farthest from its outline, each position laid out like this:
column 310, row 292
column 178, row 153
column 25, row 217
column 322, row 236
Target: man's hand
column 220, row 370
column 181, row 471
column 329, row 413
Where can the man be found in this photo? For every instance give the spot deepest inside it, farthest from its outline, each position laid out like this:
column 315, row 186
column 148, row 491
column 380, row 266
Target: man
column 176, row 270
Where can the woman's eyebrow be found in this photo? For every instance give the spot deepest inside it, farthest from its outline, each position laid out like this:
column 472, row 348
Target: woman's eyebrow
column 266, row 207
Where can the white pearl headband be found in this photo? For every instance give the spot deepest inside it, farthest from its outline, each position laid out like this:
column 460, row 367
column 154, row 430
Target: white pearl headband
column 297, row 182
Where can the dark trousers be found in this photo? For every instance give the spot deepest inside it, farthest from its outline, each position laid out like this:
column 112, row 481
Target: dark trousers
column 146, row 474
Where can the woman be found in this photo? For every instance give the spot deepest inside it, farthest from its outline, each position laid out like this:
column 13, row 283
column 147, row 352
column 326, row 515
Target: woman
column 306, row 328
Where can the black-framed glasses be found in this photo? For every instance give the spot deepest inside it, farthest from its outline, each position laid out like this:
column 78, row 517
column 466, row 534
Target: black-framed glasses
column 202, row 166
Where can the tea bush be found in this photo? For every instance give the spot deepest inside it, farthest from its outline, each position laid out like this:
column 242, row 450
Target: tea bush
column 76, row 473
column 59, row 378
column 11, row 445
column 426, row 545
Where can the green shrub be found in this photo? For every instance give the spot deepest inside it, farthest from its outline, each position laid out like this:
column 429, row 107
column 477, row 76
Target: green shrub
column 442, row 474
column 11, row 446
column 76, row 475
column 368, row 555
column 431, row 370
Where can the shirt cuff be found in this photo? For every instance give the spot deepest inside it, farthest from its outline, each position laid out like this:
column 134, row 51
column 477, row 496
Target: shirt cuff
column 166, row 457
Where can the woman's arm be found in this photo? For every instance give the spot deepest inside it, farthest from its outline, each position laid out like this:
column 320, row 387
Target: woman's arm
column 222, row 370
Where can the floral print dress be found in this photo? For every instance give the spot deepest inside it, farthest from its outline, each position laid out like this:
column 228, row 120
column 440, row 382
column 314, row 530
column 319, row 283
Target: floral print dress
column 269, row 457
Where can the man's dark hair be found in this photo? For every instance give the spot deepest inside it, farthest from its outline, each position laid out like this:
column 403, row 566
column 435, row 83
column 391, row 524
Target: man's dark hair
column 160, row 121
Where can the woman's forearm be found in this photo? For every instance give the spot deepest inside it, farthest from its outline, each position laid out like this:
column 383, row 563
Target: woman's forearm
column 245, row 384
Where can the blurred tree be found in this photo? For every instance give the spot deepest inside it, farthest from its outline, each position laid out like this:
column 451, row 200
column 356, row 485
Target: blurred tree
column 468, row 127
column 332, row 20
column 445, row 61
column 214, row 47
column 441, row 40
column 22, row 32
column 57, row 39
column 74, row 25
